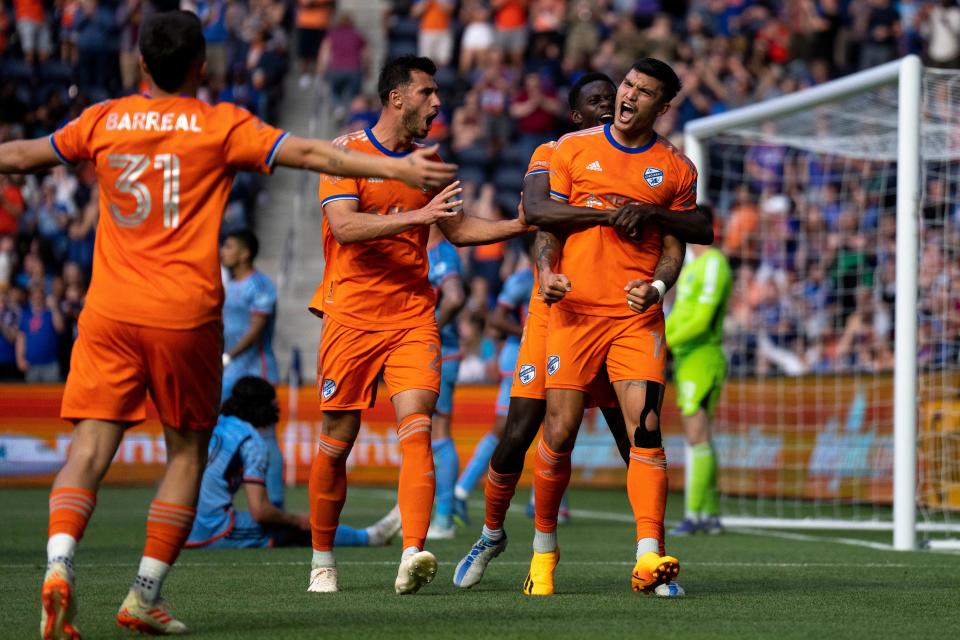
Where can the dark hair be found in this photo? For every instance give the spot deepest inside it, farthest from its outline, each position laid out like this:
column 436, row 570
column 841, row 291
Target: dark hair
column 661, row 71
column 584, row 80
column 396, row 74
column 248, row 239
column 252, row 400
column 170, row 43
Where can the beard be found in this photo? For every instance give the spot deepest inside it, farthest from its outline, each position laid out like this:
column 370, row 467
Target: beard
column 414, row 123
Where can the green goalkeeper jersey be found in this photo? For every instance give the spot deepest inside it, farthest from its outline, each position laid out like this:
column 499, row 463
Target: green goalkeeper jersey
column 703, row 294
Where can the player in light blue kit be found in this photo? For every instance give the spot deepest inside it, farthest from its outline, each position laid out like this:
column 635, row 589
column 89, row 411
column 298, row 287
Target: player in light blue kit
column 446, row 277
column 238, row 457
column 508, row 318
column 249, row 314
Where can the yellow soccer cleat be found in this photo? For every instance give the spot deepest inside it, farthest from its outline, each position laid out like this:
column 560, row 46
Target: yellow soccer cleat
column 539, row 581
column 58, row 608
column 653, row 570
column 154, row 619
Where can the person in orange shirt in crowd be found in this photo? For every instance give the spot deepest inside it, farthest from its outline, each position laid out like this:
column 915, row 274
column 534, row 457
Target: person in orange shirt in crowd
column 33, row 30
column 378, row 310
column 165, row 164
column 600, row 322
column 436, row 37
column 510, row 24
column 313, row 20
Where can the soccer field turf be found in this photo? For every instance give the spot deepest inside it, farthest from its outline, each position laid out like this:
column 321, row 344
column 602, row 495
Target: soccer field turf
column 739, row 585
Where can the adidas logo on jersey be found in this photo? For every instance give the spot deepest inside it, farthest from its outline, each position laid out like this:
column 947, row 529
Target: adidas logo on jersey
column 595, row 166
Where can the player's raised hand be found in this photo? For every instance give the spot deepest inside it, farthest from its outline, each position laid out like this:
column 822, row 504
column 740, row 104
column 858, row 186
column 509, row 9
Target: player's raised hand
column 554, row 286
column 442, row 206
column 419, row 169
column 629, row 218
column 641, row 295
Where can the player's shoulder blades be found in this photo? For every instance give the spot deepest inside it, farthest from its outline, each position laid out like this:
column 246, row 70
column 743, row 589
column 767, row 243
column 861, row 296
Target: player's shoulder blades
column 353, row 139
column 675, row 154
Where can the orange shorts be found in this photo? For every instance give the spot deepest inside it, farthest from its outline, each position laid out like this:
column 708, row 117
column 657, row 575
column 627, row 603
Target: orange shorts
column 350, row 361
column 578, row 346
column 530, row 375
column 115, row 364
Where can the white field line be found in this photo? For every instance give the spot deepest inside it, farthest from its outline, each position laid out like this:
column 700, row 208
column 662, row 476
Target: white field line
column 391, row 563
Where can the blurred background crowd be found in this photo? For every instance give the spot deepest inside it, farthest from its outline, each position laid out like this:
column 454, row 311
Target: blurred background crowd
column 813, row 250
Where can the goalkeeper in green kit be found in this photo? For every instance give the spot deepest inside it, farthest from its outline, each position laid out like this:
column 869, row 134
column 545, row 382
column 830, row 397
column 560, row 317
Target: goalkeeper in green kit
column 695, row 336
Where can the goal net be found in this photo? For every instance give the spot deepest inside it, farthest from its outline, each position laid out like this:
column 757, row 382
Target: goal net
column 819, row 195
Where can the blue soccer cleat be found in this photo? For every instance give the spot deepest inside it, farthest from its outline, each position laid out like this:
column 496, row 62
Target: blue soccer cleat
column 461, row 517
column 712, row 525
column 687, row 527
column 470, row 570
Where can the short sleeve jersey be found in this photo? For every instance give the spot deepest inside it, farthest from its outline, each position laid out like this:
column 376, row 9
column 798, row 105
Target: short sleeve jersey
column 246, row 297
column 445, row 264
column 236, row 454
column 165, row 167
column 514, row 296
column 539, row 165
column 378, row 284
column 703, row 295
column 591, row 169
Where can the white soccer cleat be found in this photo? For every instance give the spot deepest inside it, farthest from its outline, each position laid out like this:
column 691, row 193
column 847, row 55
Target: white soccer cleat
column 415, row 571
column 58, row 607
column 323, row 580
column 470, row 570
column 382, row 531
column 438, row 531
column 153, row 619
column 669, row 590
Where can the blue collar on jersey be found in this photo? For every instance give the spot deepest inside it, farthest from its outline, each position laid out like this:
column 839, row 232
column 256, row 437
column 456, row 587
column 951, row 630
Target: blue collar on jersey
column 382, row 149
column 617, row 145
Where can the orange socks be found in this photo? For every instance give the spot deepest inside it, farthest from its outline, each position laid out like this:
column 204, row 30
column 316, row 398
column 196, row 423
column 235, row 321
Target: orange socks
column 70, row 510
column 647, row 490
column 550, row 479
column 328, row 490
column 417, row 480
column 499, row 492
column 168, row 526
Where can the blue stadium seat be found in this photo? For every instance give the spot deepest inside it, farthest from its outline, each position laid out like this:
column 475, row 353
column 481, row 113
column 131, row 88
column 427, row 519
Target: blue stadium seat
column 472, row 173
column 402, row 48
column 405, row 28
column 13, row 69
column 477, row 154
column 55, row 72
column 508, row 179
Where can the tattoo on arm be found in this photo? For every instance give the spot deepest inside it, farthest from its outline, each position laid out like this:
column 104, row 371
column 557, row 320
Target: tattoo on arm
column 668, row 270
column 546, row 248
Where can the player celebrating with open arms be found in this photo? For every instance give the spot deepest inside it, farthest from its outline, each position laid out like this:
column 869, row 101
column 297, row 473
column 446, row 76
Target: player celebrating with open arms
column 622, row 162
column 378, row 309
column 165, row 163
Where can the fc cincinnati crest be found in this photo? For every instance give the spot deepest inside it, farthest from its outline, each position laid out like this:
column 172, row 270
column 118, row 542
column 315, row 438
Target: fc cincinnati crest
column 553, row 363
column 329, row 388
column 653, row 176
column 527, row 373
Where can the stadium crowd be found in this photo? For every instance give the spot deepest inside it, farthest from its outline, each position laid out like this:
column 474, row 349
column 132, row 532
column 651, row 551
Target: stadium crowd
column 815, row 263
column 56, row 58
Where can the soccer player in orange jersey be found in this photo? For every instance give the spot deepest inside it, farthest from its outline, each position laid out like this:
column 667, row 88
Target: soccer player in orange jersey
column 165, row 164
column 378, row 309
column 601, row 322
column 591, row 104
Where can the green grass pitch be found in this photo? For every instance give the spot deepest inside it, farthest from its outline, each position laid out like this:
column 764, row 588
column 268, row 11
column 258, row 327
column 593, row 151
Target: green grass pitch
column 739, row 585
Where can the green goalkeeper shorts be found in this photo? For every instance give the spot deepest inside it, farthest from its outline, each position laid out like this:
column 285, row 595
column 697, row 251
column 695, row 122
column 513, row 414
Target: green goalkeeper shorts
column 698, row 376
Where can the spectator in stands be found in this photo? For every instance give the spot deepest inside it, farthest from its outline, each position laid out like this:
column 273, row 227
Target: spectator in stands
column 97, row 47
column 435, row 40
column 129, row 17
column 313, row 20
column 33, row 30
column 478, row 35
column 38, row 340
column 11, row 205
column 880, row 41
column 535, row 111
column 9, row 328
column 941, row 25
column 510, row 24
column 342, row 61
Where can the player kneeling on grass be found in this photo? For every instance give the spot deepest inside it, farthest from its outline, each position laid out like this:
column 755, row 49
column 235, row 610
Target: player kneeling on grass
column 238, row 456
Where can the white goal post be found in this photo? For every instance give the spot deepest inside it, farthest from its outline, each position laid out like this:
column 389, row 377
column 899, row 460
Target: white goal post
column 906, row 76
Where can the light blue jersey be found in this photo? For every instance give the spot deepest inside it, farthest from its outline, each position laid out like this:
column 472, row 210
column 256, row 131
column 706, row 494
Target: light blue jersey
column 248, row 296
column 445, row 264
column 237, row 454
column 514, row 296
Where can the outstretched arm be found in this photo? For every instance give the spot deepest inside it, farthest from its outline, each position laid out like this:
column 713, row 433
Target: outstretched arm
column 416, row 169
column 27, row 156
column 687, row 226
column 348, row 224
column 544, row 211
column 463, row 230
column 266, row 513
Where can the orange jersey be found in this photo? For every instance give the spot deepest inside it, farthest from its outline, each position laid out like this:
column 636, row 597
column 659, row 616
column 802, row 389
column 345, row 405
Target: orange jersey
column 436, row 16
column 539, row 164
column 164, row 167
column 378, row 282
column 590, row 169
